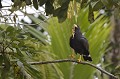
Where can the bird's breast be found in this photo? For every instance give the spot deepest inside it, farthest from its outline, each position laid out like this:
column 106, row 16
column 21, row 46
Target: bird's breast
column 76, row 45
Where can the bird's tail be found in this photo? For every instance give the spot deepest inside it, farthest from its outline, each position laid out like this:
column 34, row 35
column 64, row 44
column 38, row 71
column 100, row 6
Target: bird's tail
column 87, row 57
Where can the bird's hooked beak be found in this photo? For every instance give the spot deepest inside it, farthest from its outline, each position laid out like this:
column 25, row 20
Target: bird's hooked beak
column 73, row 29
column 75, row 26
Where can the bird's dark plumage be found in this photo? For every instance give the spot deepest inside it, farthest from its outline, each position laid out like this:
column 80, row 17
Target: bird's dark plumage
column 79, row 43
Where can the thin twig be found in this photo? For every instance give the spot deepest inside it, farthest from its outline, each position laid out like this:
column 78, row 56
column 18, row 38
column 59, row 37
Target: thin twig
column 21, row 23
column 75, row 61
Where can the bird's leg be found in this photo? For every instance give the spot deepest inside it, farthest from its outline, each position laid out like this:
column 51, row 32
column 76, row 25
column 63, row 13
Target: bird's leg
column 72, row 55
column 79, row 59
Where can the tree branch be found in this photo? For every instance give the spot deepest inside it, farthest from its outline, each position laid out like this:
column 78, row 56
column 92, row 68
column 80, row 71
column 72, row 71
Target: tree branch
column 75, row 61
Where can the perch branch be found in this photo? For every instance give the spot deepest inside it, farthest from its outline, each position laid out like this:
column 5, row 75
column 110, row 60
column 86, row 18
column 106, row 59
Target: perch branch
column 75, row 61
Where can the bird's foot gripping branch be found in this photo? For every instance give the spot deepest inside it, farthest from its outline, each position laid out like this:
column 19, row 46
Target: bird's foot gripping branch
column 75, row 61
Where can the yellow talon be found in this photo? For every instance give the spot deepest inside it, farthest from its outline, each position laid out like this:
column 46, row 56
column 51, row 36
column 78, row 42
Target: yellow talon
column 79, row 59
column 72, row 56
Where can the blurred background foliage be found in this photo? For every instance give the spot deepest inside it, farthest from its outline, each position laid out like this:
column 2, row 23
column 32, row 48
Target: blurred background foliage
column 46, row 37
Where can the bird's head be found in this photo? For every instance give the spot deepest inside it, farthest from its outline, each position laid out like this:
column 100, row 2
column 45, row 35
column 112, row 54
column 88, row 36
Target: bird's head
column 75, row 30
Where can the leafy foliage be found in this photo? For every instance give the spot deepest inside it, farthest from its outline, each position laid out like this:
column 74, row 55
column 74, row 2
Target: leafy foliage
column 59, row 8
column 96, row 33
column 17, row 48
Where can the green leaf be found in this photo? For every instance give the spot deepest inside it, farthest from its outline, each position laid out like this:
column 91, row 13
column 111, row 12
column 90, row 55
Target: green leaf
column 35, row 4
column 61, row 2
column 83, row 3
column 19, row 52
column 1, row 60
column 17, row 3
column 39, row 22
column 61, row 12
column 10, row 29
column 28, row 2
column 91, row 14
column 37, row 34
column 6, row 67
column 49, row 7
column 4, row 73
column 97, row 5
column 7, row 62
column 107, row 3
column 42, row 2
column 33, row 72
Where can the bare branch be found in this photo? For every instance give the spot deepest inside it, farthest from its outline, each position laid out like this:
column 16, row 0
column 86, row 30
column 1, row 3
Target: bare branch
column 21, row 23
column 75, row 61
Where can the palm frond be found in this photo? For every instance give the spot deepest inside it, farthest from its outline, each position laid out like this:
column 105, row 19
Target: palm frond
column 97, row 34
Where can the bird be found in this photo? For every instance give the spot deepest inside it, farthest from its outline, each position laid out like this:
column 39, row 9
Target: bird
column 79, row 43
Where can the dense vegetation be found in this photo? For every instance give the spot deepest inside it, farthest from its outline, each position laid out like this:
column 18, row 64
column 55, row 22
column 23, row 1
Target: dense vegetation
column 47, row 39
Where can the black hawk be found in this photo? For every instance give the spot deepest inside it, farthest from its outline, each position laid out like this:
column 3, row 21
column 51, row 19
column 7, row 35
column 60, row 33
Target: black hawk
column 80, row 44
